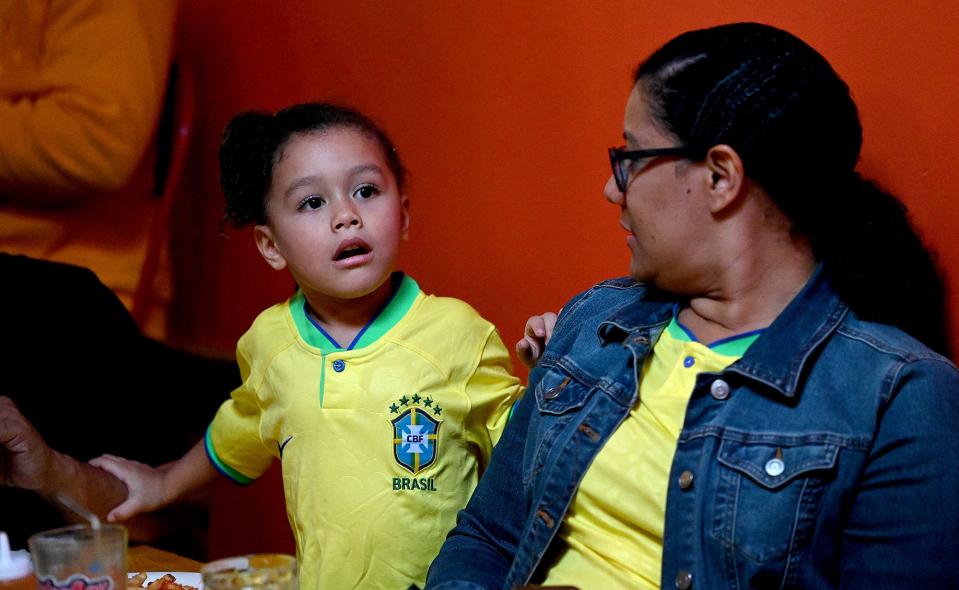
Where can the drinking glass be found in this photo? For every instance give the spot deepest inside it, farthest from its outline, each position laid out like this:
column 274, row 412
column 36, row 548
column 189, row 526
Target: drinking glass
column 80, row 557
column 261, row 571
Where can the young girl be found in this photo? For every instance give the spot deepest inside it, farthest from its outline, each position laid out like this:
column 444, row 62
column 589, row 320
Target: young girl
column 381, row 402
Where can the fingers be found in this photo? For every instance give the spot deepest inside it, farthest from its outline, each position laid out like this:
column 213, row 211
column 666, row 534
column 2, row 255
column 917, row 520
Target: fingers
column 122, row 511
column 536, row 334
column 11, row 424
column 528, row 352
column 535, row 327
column 135, row 476
column 549, row 322
column 117, row 466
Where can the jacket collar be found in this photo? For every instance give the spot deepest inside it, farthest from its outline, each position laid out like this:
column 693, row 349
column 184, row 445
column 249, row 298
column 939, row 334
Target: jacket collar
column 777, row 358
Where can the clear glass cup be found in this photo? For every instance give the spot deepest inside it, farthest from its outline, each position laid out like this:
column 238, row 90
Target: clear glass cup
column 80, row 556
column 261, row 571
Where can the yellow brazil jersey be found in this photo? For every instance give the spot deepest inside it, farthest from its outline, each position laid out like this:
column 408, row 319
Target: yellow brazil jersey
column 380, row 441
column 612, row 536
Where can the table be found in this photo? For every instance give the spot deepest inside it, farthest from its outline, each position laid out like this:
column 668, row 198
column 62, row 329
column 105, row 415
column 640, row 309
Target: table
column 143, row 558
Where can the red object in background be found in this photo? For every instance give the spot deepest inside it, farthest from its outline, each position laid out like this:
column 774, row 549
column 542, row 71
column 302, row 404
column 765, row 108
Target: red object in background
column 503, row 112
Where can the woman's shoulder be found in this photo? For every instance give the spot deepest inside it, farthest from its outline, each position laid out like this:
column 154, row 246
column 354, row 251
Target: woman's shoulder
column 612, row 294
column 888, row 341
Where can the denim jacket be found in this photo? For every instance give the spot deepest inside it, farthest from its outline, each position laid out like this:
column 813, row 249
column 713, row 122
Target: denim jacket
column 826, row 457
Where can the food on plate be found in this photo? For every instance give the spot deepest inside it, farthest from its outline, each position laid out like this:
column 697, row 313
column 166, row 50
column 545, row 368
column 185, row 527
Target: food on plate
column 164, row 582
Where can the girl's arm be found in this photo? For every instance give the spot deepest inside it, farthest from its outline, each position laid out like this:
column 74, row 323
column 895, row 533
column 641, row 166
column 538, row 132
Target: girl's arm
column 150, row 488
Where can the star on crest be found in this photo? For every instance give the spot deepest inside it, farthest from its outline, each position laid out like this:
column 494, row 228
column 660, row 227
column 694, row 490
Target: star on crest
column 405, row 400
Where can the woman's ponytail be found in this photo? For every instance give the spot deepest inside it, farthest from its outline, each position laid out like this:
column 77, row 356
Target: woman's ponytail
column 791, row 119
column 878, row 264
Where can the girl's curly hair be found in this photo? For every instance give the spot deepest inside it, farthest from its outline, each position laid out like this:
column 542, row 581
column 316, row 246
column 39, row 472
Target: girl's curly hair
column 253, row 142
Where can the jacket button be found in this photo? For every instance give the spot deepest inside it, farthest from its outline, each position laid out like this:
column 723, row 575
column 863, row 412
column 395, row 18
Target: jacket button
column 775, row 467
column 546, row 518
column 684, row 580
column 686, row 480
column 553, row 392
column 719, row 389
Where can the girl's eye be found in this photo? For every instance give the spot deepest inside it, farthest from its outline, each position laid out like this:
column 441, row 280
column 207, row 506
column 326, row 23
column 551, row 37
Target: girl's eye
column 312, row 202
column 366, row 191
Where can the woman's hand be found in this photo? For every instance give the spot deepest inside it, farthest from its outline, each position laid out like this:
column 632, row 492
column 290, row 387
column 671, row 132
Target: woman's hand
column 539, row 329
column 146, row 486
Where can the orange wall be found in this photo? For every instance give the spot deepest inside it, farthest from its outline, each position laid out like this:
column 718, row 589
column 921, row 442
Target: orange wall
column 503, row 111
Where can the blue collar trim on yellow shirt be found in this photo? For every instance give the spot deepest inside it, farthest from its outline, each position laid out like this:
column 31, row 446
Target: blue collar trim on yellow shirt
column 404, row 295
column 729, row 346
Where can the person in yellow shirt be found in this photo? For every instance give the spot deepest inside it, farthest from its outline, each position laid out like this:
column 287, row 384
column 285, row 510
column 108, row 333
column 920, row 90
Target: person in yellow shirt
column 81, row 88
column 804, row 445
column 381, row 402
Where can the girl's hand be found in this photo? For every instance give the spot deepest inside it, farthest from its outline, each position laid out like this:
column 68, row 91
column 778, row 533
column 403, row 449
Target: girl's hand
column 146, row 486
column 539, row 329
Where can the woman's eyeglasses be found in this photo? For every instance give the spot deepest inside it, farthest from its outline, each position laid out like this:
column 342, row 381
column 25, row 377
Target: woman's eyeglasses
column 620, row 159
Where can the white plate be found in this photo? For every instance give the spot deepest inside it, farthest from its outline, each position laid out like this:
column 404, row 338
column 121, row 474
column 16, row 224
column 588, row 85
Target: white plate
column 185, row 578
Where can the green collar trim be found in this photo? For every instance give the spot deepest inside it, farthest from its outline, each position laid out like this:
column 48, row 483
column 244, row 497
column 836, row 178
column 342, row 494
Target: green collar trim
column 733, row 346
column 395, row 310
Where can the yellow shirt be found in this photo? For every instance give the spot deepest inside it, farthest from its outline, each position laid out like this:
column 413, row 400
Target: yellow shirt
column 613, row 532
column 381, row 441
column 81, row 86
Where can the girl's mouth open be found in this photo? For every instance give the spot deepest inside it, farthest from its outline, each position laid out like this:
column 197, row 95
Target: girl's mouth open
column 352, row 252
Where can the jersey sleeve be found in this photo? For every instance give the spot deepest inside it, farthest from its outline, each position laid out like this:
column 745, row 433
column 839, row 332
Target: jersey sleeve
column 492, row 389
column 233, row 441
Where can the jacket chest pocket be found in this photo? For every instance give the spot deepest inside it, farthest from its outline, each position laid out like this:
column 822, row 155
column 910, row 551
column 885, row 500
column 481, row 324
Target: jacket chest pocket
column 768, row 494
column 559, row 396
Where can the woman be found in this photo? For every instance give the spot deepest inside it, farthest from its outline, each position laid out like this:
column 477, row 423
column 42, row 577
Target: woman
column 749, row 409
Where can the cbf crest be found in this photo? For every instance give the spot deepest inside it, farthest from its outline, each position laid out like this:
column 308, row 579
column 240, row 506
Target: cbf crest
column 415, row 432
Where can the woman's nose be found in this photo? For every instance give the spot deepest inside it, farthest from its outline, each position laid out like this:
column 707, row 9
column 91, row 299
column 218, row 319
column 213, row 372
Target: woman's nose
column 611, row 191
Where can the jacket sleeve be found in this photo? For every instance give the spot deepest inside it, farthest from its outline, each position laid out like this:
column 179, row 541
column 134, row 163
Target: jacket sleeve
column 902, row 530
column 479, row 551
column 77, row 116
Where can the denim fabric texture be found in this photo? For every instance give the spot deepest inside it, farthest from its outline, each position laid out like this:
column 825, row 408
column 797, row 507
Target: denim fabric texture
column 828, row 459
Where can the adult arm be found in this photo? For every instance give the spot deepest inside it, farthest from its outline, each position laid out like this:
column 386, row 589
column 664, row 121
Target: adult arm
column 903, row 527
column 76, row 122
column 26, row 461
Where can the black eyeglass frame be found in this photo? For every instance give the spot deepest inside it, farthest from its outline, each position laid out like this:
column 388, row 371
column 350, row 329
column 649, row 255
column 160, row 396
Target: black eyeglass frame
column 619, row 157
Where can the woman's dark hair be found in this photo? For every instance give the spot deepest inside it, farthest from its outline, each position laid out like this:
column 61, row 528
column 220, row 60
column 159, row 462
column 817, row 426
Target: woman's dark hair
column 253, row 143
column 791, row 119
